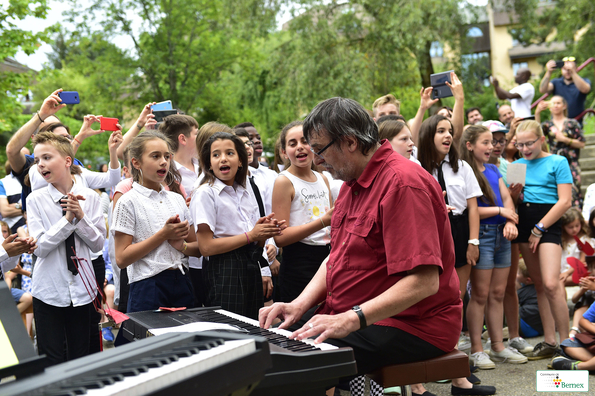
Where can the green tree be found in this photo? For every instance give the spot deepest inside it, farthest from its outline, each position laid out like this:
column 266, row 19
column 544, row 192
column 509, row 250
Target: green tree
column 181, row 48
column 12, row 40
column 557, row 21
column 359, row 49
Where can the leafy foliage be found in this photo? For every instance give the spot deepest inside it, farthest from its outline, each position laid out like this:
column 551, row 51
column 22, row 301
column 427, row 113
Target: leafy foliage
column 13, row 39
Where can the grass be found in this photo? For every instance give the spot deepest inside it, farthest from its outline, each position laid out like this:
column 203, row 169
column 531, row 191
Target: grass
column 589, row 125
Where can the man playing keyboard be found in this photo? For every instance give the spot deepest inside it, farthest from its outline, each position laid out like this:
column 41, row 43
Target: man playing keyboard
column 388, row 289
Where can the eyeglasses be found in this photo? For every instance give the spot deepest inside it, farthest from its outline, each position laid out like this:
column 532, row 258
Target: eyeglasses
column 248, row 144
column 569, row 59
column 528, row 144
column 501, row 142
column 323, row 149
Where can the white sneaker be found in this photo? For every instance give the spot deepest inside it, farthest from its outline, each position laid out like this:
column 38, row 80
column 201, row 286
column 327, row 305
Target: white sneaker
column 520, row 344
column 488, row 346
column 464, row 343
column 508, row 355
column 482, row 361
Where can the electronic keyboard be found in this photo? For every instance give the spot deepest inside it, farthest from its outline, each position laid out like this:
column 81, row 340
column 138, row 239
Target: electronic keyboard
column 299, row 367
column 203, row 363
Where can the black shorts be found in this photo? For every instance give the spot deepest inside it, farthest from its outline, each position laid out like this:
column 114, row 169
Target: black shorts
column 531, row 214
column 378, row 346
column 459, row 227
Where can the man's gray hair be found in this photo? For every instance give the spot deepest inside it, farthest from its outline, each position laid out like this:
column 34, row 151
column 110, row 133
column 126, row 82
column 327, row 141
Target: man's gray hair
column 340, row 118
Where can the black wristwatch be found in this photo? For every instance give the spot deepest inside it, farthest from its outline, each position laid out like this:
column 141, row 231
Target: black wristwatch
column 361, row 316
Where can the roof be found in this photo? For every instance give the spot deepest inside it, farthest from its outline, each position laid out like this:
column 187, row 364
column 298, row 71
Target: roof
column 11, row 65
column 535, row 50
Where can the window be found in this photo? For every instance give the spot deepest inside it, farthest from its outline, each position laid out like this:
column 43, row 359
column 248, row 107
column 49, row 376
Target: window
column 436, row 50
column 474, row 32
column 517, row 66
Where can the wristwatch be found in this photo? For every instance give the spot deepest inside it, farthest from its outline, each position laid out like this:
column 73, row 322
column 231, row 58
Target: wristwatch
column 473, row 242
column 361, row 316
column 17, row 206
column 540, row 227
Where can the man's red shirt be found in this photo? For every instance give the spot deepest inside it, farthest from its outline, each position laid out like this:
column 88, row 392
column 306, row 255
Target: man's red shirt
column 390, row 220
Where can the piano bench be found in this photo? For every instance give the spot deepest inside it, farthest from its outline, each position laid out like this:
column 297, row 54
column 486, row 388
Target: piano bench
column 454, row 364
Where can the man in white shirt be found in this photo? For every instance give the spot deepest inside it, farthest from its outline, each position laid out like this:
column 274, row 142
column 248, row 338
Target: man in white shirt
column 521, row 96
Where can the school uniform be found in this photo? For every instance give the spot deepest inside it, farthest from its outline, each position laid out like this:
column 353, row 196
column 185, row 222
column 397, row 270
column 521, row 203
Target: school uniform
column 189, row 180
column 160, row 278
column 11, row 189
column 302, row 259
column 62, row 301
column 459, row 187
column 232, row 279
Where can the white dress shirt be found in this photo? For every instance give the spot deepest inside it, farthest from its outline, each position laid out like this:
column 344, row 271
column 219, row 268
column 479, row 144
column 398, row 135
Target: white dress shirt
column 460, row 186
column 189, row 176
column 53, row 283
column 87, row 178
column 227, row 210
column 141, row 212
column 6, row 263
column 265, row 180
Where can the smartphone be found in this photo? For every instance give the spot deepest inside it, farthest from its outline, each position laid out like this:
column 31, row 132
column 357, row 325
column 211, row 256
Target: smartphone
column 559, row 64
column 161, row 114
column 162, row 106
column 69, row 97
column 531, row 117
column 108, row 124
column 438, row 82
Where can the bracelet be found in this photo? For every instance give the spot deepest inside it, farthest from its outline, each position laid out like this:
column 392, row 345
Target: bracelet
column 248, row 239
column 499, row 211
column 576, row 329
column 536, row 234
column 540, row 228
column 38, row 116
column 185, row 247
column 76, row 140
column 322, row 223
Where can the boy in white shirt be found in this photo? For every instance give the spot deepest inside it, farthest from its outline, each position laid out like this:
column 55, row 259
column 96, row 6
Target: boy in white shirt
column 67, row 220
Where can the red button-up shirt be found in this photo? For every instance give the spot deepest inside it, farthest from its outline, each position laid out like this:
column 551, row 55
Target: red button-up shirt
column 390, row 220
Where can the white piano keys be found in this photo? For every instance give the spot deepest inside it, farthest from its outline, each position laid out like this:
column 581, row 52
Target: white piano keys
column 322, row 346
column 169, row 374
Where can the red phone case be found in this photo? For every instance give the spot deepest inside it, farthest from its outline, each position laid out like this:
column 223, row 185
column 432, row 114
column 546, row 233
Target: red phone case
column 108, row 124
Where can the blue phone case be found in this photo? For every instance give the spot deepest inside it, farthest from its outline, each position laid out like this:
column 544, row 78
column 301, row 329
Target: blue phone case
column 69, row 97
column 162, row 106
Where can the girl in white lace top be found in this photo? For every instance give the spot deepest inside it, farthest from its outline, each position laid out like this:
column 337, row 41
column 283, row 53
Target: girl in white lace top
column 153, row 233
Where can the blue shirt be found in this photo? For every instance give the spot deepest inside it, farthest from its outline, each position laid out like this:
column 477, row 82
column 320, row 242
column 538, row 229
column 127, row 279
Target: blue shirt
column 574, row 97
column 590, row 314
column 493, row 175
column 543, row 176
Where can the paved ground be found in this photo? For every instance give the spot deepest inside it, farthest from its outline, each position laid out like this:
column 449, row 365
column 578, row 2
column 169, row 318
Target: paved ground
column 510, row 379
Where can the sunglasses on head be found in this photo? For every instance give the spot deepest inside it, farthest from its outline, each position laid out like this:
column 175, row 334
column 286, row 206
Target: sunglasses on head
column 569, row 59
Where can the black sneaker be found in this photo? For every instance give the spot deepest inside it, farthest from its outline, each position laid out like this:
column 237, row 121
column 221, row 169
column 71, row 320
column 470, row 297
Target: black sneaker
column 563, row 363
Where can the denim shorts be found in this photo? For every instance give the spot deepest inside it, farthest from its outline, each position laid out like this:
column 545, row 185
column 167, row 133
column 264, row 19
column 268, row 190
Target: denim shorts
column 494, row 249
